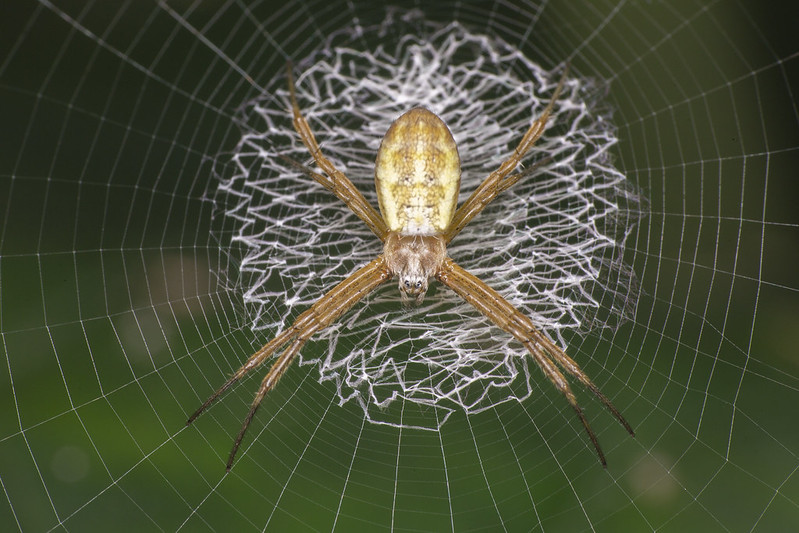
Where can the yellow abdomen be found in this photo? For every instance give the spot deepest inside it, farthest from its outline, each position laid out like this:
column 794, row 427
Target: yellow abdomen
column 418, row 174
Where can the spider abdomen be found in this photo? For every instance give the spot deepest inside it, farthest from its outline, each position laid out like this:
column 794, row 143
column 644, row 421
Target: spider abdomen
column 417, row 174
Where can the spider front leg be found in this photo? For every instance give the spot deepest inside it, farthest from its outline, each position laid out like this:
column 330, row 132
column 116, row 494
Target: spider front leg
column 319, row 316
column 547, row 355
column 498, row 180
column 335, row 181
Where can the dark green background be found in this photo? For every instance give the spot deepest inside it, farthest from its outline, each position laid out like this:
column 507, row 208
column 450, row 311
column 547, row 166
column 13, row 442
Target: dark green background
column 114, row 325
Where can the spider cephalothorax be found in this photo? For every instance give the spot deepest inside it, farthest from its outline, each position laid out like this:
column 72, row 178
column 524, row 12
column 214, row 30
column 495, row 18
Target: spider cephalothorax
column 417, row 176
column 414, row 259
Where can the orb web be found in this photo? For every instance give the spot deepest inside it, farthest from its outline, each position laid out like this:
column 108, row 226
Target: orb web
column 112, row 331
column 553, row 245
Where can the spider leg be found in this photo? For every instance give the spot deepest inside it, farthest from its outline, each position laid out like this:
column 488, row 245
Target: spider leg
column 467, row 213
column 547, row 355
column 319, row 316
column 254, row 360
column 496, row 182
column 335, row 180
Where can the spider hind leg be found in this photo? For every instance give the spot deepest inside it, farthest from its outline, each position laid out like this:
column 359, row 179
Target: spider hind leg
column 498, row 181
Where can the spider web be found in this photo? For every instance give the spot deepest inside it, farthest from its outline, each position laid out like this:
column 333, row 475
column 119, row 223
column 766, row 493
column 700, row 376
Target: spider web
column 139, row 268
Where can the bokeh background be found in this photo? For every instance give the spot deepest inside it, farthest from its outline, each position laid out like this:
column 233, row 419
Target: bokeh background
column 115, row 322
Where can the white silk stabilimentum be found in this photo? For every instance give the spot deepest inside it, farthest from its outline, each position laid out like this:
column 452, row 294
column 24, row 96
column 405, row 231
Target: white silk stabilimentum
column 553, row 245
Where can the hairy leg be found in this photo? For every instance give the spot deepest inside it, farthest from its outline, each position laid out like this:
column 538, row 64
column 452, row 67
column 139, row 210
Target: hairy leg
column 335, row 180
column 547, row 355
column 497, row 182
column 319, row 316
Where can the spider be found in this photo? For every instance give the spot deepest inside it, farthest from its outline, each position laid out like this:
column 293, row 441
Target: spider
column 417, row 176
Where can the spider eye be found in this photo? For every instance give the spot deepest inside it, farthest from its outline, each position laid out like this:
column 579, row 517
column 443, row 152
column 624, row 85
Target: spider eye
column 407, row 284
column 418, row 284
